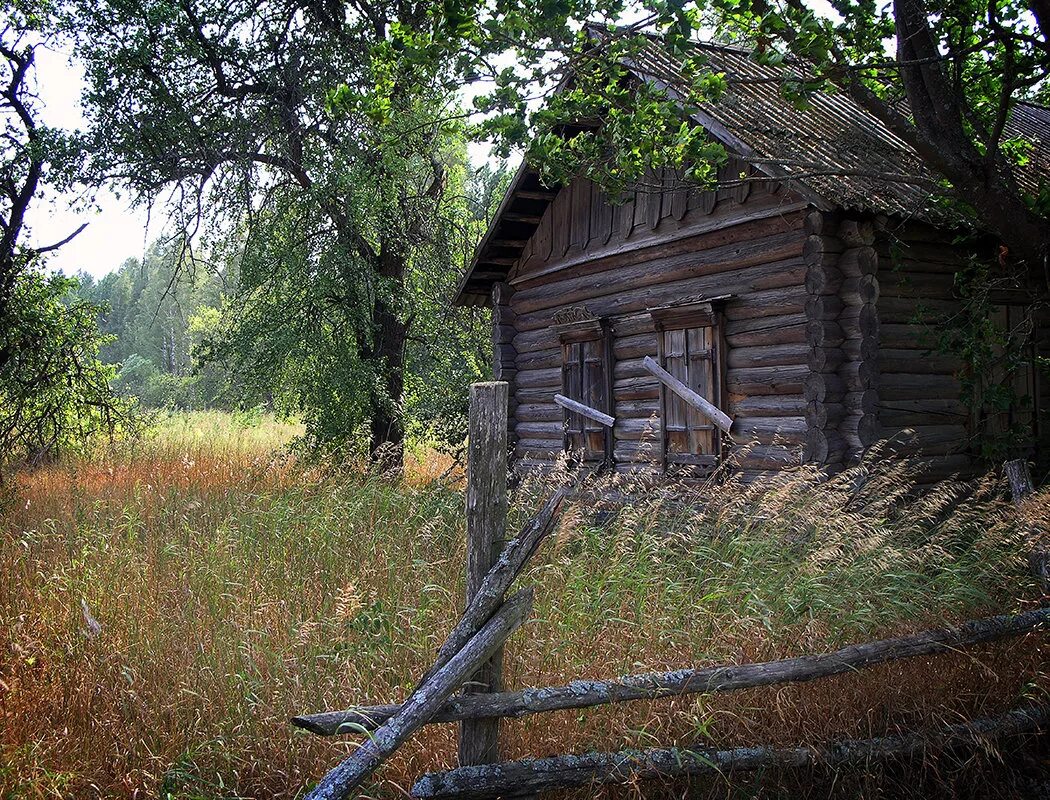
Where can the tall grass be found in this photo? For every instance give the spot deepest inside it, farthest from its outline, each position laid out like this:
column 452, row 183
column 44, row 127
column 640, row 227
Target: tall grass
column 235, row 588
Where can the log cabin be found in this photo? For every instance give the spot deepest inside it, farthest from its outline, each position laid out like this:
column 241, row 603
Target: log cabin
column 804, row 297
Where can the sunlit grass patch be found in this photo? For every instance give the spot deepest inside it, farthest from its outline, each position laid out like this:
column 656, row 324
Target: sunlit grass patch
column 234, row 589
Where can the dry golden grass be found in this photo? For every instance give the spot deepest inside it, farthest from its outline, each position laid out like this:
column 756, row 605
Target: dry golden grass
column 234, row 588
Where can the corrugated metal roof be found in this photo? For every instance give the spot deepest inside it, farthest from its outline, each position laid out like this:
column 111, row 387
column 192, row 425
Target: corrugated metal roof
column 831, row 150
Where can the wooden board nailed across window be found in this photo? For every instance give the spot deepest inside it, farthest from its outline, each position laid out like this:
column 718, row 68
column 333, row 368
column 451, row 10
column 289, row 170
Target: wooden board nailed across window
column 587, row 378
column 690, row 348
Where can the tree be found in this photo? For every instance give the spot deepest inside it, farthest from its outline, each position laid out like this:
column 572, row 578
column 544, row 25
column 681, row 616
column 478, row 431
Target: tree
column 300, row 142
column 54, row 391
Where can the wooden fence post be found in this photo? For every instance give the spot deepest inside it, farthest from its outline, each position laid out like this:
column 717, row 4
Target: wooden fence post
column 1020, row 479
column 486, row 536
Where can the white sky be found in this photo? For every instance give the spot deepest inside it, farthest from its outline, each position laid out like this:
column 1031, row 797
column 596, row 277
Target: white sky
column 115, row 231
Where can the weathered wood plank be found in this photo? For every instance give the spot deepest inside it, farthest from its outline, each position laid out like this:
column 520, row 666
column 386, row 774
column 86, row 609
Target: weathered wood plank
column 486, row 517
column 584, row 410
column 701, row 404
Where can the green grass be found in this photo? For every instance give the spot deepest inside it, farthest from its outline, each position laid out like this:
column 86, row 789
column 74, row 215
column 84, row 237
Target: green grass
column 235, row 589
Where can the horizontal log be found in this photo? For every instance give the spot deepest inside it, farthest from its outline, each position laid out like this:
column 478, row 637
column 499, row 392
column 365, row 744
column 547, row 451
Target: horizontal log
column 938, row 468
column 858, row 261
column 860, row 290
column 569, row 286
column 770, row 303
column 700, row 680
column 701, row 404
column 535, row 378
column 635, row 409
column 908, row 336
column 771, row 430
column 766, row 456
column 894, row 360
column 916, row 309
column 904, row 284
column 856, row 233
column 621, row 296
column 645, row 388
column 632, row 325
column 928, row 439
column 773, row 355
column 637, row 346
column 549, row 429
column 584, row 410
column 718, row 230
column 945, row 410
column 547, row 358
column 769, row 405
column 539, row 412
column 637, row 428
column 631, row 367
column 765, row 331
column 538, row 448
column 823, row 387
column 534, row 775
column 766, row 380
column 900, row 386
column 637, row 450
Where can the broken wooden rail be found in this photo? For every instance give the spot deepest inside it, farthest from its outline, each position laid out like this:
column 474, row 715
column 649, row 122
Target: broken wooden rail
column 723, row 678
column 584, row 410
column 719, row 418
column 510, row 778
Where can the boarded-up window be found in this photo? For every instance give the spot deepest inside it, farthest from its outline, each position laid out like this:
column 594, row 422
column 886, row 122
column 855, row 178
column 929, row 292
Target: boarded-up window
column 689, row 341
column 587, row 378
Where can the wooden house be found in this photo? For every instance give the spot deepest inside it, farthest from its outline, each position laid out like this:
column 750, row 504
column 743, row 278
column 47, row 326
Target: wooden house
column 801, row 297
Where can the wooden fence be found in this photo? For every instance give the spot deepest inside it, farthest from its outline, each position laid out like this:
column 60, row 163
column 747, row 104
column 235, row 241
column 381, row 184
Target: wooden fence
column 471, row 660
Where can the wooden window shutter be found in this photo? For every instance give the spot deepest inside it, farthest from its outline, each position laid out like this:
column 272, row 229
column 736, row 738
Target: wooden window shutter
column 587, row 378
column 689, row 341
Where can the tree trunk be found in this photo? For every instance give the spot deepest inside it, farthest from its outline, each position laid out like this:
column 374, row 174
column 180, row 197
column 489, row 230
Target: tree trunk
column 388, row 352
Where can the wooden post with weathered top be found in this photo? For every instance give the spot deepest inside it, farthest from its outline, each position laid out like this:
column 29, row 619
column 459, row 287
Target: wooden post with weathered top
column 486, row 536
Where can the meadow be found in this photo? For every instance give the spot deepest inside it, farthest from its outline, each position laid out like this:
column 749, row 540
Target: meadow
column 168, row 604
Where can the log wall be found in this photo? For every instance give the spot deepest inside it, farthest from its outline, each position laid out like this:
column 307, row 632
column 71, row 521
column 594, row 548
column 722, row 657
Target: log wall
column 666, row 246
column 921, row 409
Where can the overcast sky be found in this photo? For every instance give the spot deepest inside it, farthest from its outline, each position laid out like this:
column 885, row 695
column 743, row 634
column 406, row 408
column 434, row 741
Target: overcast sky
column 115, row 231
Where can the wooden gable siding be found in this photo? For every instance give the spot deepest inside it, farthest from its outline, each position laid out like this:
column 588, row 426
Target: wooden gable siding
column 747, row 243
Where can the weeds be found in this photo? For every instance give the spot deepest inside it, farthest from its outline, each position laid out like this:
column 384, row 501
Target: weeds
column 234, row 588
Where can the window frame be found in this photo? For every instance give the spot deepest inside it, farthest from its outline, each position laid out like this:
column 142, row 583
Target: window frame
column 581, row 332
column 704, row 314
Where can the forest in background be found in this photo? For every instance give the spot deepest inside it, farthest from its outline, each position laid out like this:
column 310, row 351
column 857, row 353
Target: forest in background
column 170, row 322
